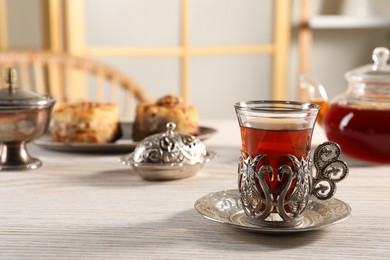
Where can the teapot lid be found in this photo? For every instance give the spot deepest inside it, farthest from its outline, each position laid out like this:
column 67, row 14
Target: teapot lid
column 13, row 96
column 377, row 72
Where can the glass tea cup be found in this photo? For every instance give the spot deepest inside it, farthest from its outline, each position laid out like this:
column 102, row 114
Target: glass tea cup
column 275, row 176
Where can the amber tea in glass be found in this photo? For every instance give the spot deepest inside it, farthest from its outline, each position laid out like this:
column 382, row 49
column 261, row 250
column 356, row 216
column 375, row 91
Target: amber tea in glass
column 276, row 130
column 275, row 175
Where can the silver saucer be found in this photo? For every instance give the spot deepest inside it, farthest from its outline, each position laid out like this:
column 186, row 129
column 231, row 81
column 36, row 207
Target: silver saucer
column 225, row 207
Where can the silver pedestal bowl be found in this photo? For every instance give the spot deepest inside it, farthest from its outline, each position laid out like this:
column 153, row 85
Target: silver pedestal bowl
column 24, row 116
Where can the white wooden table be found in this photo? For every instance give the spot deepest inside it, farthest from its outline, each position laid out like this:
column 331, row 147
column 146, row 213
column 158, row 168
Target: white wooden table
column 83, row 206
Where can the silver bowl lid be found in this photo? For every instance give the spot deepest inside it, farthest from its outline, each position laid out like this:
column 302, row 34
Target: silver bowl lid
column 170, row 148
column 12, row 96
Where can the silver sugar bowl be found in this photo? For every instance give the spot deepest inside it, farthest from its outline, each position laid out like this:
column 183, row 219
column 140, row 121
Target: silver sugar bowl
column 168, row 156
column 24, row 116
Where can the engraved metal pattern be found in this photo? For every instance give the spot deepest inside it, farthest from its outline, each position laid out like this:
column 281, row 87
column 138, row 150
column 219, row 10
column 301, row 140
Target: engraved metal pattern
column 168, row 156
column 159, row 172
column 301, row 189
column 251, row 193
column 225, row 207
column 329, row 170
column 257, row 199
column 299, row 183
column 170, row 147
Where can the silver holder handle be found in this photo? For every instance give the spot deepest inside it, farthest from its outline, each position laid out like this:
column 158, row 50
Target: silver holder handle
column 329, row 170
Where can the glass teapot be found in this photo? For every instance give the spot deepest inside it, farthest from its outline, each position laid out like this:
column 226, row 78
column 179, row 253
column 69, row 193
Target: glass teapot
column 359, row 119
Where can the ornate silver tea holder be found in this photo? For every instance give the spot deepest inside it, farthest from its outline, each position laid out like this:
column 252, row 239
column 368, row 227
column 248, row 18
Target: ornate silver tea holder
column 299, row 183
column 168, row 156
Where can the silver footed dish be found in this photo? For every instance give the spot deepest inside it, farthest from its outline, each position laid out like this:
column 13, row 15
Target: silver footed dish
column 225, row 207
column 165, row 171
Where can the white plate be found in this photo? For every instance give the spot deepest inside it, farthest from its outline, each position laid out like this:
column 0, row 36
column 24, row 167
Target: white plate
column 124, row 144
column 225, row 207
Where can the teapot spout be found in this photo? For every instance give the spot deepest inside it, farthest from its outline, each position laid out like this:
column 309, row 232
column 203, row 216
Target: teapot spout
column 311, row 89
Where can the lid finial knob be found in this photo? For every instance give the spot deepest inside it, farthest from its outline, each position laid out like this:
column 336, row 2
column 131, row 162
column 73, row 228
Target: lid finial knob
column 10, row 79
column 380, row 56
column 170, row 128
column 10, row 76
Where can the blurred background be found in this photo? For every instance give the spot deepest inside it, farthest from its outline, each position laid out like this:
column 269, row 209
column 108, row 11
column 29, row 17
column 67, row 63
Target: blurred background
column 211, row 53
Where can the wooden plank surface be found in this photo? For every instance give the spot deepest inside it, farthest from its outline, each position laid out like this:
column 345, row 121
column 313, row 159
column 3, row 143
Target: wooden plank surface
column 85, row 206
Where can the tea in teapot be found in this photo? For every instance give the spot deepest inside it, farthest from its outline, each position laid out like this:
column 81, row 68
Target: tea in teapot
column 359, row 119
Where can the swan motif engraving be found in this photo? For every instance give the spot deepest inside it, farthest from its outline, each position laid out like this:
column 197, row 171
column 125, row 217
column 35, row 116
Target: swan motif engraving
column 297, row 180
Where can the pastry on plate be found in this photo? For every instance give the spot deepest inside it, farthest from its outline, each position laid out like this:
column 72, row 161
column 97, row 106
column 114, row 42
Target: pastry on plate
column 151, row 118
column 86, row 122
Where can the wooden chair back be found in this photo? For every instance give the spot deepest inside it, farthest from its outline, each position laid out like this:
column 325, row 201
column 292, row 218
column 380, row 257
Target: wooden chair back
column 70, row 79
